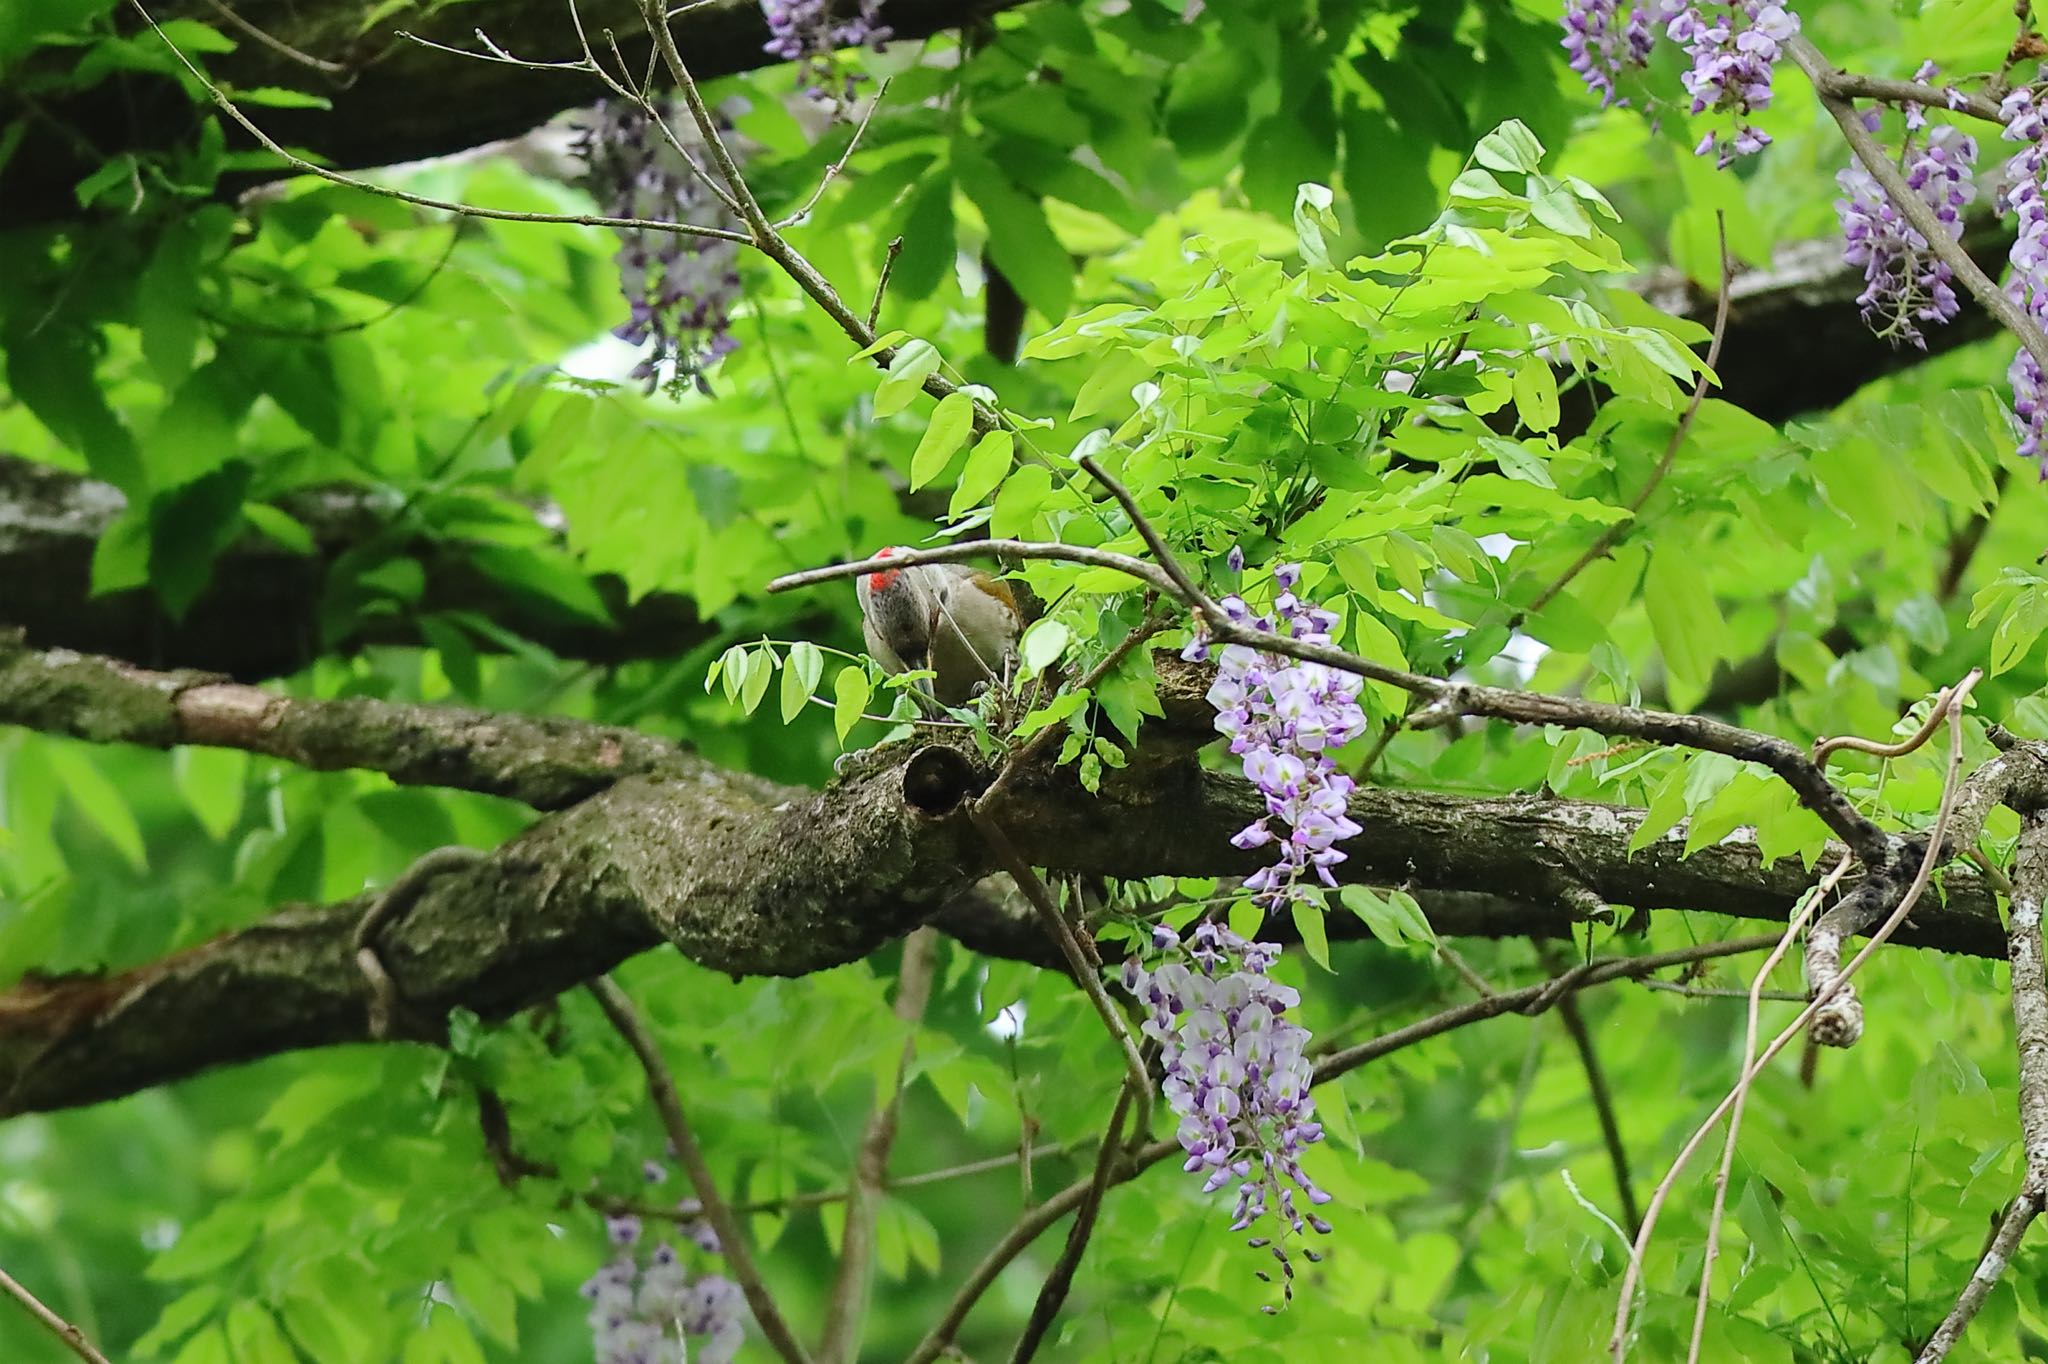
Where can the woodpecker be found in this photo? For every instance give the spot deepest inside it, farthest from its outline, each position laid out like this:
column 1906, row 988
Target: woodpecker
column 957, row 621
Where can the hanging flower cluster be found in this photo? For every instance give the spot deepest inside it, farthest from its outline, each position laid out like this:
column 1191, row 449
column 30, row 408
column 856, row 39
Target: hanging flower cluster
column 652, row 1312
column 680, row 289
column 1282, row 717
column 2020, row 194
column 804, row 32
column 1904, row 284
column 1237, row 1076
column 1732, row 48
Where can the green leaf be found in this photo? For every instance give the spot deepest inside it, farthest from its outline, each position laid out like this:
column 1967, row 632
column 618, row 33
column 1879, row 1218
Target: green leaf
column 1518, row 461
column 986, row 467
column 488, row 1297
column 1043, row 642
column 760, row 671
column 1308, row 921
column 215, row 1241
column 185, row 1312
column 850, row 692
column 911, row 366
column 1686, row 620
column 881, row 343
column 280, row 528
column 190, row 527
column 95, row 795
column 800, row 675
column 1535, row 390
column 951, row 420
column 254, row 1336
column 1510, row 147
column 1394, row 918
column 52, row 373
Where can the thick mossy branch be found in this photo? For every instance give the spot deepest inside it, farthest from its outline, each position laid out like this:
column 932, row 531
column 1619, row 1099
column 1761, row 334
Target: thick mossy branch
column 750, row 878
column 738, row 878
column 548, row 762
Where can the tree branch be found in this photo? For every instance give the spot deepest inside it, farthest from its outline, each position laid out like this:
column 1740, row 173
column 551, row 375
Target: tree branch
column 70, row 1336
column 2030, row 1035
column 732, row 1241
column 847, row 1301
column 548, row 762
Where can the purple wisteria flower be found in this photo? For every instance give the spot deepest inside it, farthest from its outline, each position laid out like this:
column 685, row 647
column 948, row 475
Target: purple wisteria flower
column 804, row 32
column 1282, row 717
column 1237, row 1075
column 1599, row 52
column 1904, row 284
column 1733, row 55
column 653, row 1312
column 680, row 289
column 2020, row 194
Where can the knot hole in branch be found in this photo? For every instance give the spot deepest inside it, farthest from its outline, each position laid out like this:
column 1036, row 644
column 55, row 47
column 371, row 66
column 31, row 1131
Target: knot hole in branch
column 938, row 778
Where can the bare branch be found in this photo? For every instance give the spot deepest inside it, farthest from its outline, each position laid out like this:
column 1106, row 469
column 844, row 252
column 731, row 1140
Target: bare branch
column 300, row 163
column 548, row 762
column 1625, row 1304
column 2030, row 1034
column 731, row 1237
column 1750, row 1028
column 846, row 1302
column 1574, row 1021
column 72, row 1338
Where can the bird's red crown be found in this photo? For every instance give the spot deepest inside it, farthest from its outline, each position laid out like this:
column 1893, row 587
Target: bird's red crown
column 882, row 579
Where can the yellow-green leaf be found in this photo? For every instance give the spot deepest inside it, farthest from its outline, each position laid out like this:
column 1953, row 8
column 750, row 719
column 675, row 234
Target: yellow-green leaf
column 986, row 467
column 951, row 421
column 850, row 691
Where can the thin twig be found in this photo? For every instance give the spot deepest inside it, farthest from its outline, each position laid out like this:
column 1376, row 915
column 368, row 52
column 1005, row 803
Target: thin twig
column 1534, row 999
column 1618, row 1342
column 1087, row 973
column 1856, row 743
column 280, row 46
column 2030, row 1036
column 845, row 1305
column 1854, row 85
column 1059, row 1281
column 1024, row 756
column 889, row 256
column 816, row 1198
column 73, row 1338
column 1810, row 902
column 1612, row 534
column 1445, row 699
column 832, row 171
column 300, row 163
column 1717, row 992
column 982, row 549
column 732, row 1241
column 1840, row 1022
column 1603, row 1107
column 1186, row 589
column 399, row 897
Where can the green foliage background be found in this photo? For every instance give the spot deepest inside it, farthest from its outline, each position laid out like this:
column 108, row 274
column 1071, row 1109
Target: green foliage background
column 213, row 361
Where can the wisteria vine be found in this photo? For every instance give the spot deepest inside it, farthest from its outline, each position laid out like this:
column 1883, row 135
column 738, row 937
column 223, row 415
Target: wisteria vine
column 1236, row 1072
column 806, row 33
column 1283, row 717
column 651, row 1311
column 1733, row 48
column 680, row 289
column 1237, row 1076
